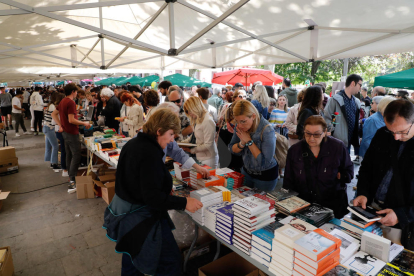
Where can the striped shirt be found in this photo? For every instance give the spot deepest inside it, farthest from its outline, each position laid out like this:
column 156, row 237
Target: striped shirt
column 47, row 119
column 278, row 116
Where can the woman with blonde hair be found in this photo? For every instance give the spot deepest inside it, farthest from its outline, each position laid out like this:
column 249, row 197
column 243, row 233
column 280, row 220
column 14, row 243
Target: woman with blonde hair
column 279, row 115
column 261, row 100
column 254, row 139
column 137, row 218
column 204, row 131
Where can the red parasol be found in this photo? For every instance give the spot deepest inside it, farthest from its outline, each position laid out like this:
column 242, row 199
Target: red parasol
column 246, row 76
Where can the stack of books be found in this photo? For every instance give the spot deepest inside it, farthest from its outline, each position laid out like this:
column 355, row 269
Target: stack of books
column 208, row 196
column 250, row 214
column 364, row 263
column 212, row 180
column 261, row 249
column 329, row 227
column 374, row 228
column 291, row 205
column 315, row 214
column 299, row 224
column 281, row 194
column 224, row 223
column 194, row 175
column 210, row 215
column 316, row 253
column 282, row 250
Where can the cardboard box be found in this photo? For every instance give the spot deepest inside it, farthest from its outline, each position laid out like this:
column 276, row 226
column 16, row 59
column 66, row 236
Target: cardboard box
column 9, row 164
column 7, row 153
column 106, row 191
column 84, row 187
column 1, row 125
column 231, row 264
column 3, row 196
column 107, row 178
column 7, row 267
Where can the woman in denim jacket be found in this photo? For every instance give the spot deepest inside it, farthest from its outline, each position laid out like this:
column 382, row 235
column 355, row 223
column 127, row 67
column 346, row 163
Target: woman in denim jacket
column 256, row 143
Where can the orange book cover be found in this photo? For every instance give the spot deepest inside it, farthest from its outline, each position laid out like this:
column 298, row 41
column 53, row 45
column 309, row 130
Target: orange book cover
column 329, row 237
column 323, row 272
column 321, row 265
column 317, row 244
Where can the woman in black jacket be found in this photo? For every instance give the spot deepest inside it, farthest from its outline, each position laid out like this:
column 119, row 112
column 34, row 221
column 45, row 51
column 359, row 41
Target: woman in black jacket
column 137, row 218
column 111, row 108
column 311, row 105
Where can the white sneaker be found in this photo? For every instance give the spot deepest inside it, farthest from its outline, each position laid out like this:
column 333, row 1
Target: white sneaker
column 17, row 135
column 32, row 129
column 26, row 133
column 65, row 173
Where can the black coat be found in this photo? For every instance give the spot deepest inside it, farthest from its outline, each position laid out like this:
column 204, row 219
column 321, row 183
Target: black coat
column 325, row 188
column 142, row 178
column 112, row 110
column 377, row 161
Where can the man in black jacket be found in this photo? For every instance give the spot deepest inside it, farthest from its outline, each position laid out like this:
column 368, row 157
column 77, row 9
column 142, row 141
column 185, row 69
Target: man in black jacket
column 386, row 176
column 111, row 108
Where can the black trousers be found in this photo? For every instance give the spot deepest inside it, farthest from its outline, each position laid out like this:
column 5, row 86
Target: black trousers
column 38, row 120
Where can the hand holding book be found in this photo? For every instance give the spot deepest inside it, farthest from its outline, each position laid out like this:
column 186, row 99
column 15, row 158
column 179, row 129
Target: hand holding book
column 390, row 218
column 361, row 201
column 193, row 205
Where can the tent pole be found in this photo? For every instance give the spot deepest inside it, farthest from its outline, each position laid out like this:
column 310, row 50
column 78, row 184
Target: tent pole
column 171, row 25
column 102, row 40
column 90, row 51
column 135, row 61
column 86, row 56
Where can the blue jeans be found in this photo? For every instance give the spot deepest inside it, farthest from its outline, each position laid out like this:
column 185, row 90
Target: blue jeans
column 251, row 182
column 170, row 259
column 59, row 136
column 52, row 146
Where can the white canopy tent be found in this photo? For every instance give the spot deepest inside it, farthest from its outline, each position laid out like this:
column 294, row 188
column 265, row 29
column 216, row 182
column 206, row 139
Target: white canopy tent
column 188, row 34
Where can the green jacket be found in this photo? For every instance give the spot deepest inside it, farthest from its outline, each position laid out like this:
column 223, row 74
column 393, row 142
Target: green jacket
column 291, row 94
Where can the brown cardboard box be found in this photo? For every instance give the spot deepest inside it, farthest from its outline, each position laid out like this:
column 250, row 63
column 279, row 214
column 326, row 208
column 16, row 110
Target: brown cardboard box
column 107, row 178
column 1, row 125
column 9, row 164
column 3, row 196
column 104, row 171
column 7, row 267
column 7, row 153
column 231, row 264
column 106, row 191
column 84, row 187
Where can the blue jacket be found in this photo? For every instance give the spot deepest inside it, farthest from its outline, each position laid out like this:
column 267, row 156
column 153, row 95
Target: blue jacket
column 371, row 125
column 265, row 160
column 262, row 110
column 177, row 153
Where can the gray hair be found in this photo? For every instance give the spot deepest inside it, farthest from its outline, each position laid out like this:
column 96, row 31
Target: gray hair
column 217, row 91
column 260, row 95
column 384, row 103
column 378, row 89
column 106, row 92
column 377, row 99
column 258, row 83
column 365, row 89
column 173, row 107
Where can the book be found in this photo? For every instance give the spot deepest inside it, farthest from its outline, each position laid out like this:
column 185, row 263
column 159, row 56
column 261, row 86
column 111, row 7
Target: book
column 329, row 227
column 405, row 260
column 315, row 214
column 281, row 194
column 368, row 214
column 255, row 219
column 341, row 270
column 259, row 259
column 265, row 235
column 280, row 269
column 263, row 249
column 349, row 245
column 355, row 220
column 316, row 267
column 206, row 194
column 392, row 270
column 298, row 224
column 226, row 212
column 298, row 270
column 251, row 205
column 375, row 228
column 316, row 244
column 287, row 235
column 364, row 263
column 292, row 204
column 376, row 246
column 248, row 229
column 241, row 248
column 395, row 250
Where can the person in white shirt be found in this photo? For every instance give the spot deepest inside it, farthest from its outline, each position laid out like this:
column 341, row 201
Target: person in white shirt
column 133, row 117
column 36, row 101
column 204, row 131
column 203, row 94
column 18, row 113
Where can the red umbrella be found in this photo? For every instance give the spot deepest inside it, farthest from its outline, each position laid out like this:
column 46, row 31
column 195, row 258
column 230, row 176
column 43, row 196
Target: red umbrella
column 246, row 76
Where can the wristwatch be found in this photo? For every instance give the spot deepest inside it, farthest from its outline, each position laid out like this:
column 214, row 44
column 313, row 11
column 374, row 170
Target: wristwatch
column 249, row 143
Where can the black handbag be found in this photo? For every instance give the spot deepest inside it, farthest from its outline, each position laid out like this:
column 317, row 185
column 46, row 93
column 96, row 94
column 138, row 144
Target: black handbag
column 193, row 141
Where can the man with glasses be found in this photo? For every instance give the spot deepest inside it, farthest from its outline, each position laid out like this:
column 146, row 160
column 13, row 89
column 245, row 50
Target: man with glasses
column 348, row 108
column 386, row 176
column 176, row 97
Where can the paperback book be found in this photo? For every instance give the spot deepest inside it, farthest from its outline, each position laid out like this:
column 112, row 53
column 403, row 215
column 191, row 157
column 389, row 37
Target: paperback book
column 365, row 263
column 349, row 245
column 281, row 194
column 315, row 214
column 405, row 260
column 291, row 205
column 341, row 270
column 368, row 214
column 392, row 270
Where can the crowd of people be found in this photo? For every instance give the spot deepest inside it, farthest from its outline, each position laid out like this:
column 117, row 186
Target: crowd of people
column 252, row 124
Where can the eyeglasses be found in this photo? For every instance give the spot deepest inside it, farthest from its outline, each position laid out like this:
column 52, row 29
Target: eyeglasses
column 316, row 135
column 400, row 133
column 360, row 84
column 241, row 96
column 176, row 101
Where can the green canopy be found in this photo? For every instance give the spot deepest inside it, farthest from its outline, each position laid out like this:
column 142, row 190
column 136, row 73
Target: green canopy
column 60, row 83
column 403, row 79
column 181, row 80
column 120, row 81
column 107, row 81
column 147, row 80
column 134, row 80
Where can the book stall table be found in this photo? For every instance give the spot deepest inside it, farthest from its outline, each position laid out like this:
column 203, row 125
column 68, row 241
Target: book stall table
column 219, row 242
column 99, row 155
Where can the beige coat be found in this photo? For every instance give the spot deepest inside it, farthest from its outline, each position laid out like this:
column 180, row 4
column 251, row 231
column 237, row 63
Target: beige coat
column 134, row 120
column 292, row 122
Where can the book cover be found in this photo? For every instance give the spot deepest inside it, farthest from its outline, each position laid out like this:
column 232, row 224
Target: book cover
column 395, row 249
column 368, row 214
column 267, row 233
column 355, row 220
column 329, row 227
column 405, row 260
column 314, row 213
column 392, row 270
column 314, row 246
column 264, row 197
column 376, row 246
column 365, row 263
column 251, row 204
column 255, row 219
column 375, row 228
column 226, row 211
column 349, row 245
column 341, row 270
column 281, row 194
column 299, row 224
column 292, row 204
column 287, row 235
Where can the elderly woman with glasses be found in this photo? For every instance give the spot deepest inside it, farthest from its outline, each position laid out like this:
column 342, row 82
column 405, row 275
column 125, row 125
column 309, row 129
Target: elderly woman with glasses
column 318, row 168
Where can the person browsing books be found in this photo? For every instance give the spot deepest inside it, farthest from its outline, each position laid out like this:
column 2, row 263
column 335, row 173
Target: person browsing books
column 137, row 218
column 386, row 179
column 254, row 139
column 318, row 167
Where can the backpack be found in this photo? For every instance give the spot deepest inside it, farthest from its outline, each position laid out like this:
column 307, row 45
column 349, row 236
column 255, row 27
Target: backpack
column 281, row 150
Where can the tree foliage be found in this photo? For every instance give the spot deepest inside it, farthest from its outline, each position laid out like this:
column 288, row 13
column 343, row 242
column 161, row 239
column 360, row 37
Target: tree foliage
column 331, row 70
